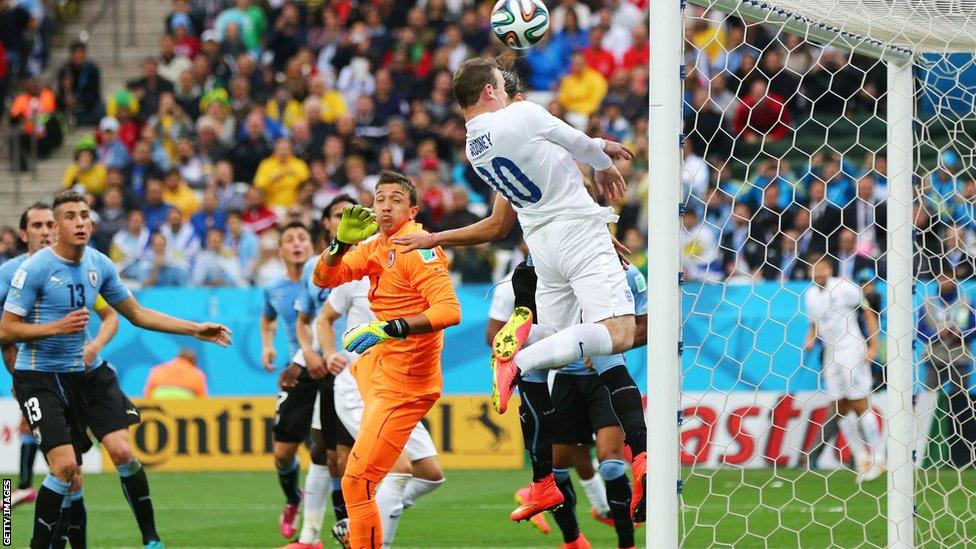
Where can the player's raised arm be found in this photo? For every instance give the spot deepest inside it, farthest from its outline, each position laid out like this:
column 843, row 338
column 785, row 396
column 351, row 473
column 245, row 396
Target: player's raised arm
column 494, row 227
column 336, row 266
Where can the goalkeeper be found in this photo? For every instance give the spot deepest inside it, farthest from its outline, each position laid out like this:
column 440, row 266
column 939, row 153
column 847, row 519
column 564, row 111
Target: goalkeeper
column 398, row 371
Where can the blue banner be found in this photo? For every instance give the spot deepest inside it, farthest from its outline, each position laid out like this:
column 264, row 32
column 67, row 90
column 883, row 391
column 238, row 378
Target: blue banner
column 736, row 338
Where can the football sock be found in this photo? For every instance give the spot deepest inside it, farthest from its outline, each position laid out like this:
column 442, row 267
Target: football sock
column 418, row 487
column 626, row 400
column 47, row 511
column 318, row 486
column 565, row 346
column 28, row 453
column 288, row 478
column 618, row 496
column 77, row 521
column 536, row 417
column 135, row 486
column 596, row 493
column 827, row 434
column 848, row 427
column 566, row 514
column 389, row 498
column 538, row 333
column 338, row 501
column 872, row 435
column 61, row 530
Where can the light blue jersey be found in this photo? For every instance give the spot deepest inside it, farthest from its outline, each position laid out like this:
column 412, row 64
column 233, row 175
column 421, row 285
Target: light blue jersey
column 280, row 301
column 311, row 297
column 638, row 286
column 7, row 271
column 45, row 289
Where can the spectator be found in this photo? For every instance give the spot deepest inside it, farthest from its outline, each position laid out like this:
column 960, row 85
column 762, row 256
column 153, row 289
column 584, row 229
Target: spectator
column 355, row 79
column 149, row 87
column 824, row 217
column 34, row 112
column 142, row 168
column 182, row 242
column 458, row 51
column 171, row 63
column 783, row 262
column 388, row 102
column 188, row 94
column 10, row 244
column 581, row 91
column 946, row 326
column 80, row 87
column 154, row 208
column 742, row 255
column 249, row 151
column 216, row 265
column 112, row 152
column 194, row 168
column 257, row 216
column 280, row 174
column 157, row 266
column 230, row 193
column 178, row 379
column 847, row 259
column 129, row 244
column 208, row 143
column 242, row 242
column 249, row 19
column 547, row 62
column 700, row 258
column 283, row 108
column 956, row 256
column 770, row 219
column 596, row 57
column 111, row 218
column 866, row 216
column 178, row 194
column 232, row 45
column 85, row 174
column 639, row 52
column 185, row 41
column 333, row 105
column 762, row 115
column 458, row 213
column 209, row 216
column 286, row 38
column 170, row 124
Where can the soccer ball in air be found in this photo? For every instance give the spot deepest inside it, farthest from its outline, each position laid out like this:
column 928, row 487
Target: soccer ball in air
column 520, row 24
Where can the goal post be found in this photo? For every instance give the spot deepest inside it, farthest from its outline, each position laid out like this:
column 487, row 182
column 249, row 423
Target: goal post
column 879, row 35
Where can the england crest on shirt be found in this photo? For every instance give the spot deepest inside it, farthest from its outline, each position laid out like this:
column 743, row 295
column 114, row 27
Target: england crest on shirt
column 93, row 278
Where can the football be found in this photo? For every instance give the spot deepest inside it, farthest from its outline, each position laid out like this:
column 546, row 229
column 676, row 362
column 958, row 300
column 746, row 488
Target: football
column 520, row 24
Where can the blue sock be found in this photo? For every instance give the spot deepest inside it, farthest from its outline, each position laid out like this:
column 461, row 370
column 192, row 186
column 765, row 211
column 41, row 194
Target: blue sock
column 128, row 469
column 612, row 469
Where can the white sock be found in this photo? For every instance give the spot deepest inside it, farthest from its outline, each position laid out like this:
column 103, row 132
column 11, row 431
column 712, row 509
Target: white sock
column 848, row 427
column 565, row 346
column 389, row 498
column 418, row 487
column 318, row 489
column 538, row 333
column 596, row 492
column 872, row 435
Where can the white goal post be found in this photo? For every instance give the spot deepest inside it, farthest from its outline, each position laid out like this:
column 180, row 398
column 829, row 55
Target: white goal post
column 895, row 32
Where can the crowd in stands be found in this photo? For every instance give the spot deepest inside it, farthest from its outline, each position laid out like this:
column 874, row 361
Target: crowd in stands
column 256, row 113
column 752, row 214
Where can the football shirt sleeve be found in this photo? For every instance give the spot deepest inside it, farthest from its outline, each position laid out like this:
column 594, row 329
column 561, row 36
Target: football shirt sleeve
column 353, row 266
column 113, row 290
column 638, row 285
column 25, row 286
column 428, row 274
column 340, row 299
column 538, row 121
column 269, row 311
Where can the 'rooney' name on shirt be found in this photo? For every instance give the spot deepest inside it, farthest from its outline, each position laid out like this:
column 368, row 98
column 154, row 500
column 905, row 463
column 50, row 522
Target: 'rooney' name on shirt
column 479, row 145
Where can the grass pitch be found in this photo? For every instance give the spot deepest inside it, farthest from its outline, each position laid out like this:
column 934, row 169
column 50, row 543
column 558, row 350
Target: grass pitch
column 727, row 508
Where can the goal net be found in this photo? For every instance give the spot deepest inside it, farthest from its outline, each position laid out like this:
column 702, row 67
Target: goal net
column 838, row 133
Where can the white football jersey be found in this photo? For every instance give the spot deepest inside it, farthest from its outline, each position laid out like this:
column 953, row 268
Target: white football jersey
column 529, row 156
column 352, row 301
column 834, row 310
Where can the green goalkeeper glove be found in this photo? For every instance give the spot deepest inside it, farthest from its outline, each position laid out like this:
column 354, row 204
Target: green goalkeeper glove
column 359, row 338
column 357, row 224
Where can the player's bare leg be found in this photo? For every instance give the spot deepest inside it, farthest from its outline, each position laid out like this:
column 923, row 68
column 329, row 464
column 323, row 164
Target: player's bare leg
column 135, row 485
column 286, row 463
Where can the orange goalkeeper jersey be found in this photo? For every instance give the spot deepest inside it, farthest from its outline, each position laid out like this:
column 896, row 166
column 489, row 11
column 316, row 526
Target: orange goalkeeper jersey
column 402, row 285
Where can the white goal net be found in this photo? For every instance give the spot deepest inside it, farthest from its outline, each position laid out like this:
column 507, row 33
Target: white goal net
column 816, row 411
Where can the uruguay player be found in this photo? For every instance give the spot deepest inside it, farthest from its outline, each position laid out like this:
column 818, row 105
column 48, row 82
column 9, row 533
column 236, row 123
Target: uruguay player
column 330, row 440
column 293, row 412
column 583, row 412
column 47, row 309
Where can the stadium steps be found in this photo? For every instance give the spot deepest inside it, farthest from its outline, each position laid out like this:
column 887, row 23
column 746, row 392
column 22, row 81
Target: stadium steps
column 149, row 17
